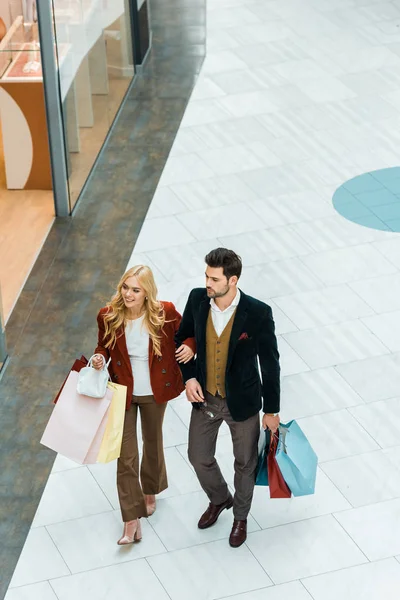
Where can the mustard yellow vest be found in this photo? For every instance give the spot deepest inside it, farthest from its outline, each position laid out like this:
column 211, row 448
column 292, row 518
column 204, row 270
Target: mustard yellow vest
column 217, row 356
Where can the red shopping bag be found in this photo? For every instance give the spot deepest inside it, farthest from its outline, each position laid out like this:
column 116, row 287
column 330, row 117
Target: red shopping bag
column 77, row 366
column 277, row 485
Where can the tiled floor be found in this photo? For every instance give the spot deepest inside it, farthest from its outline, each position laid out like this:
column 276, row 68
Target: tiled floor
column 294, row 99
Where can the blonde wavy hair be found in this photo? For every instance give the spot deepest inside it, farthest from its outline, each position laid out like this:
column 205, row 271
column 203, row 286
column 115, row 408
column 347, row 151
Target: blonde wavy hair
column 154, row 316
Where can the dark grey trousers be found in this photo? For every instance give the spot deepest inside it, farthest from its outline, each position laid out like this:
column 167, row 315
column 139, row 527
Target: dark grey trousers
column 203, row 432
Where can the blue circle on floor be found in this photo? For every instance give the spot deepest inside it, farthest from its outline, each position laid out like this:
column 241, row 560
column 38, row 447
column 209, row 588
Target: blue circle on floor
column 371, row 199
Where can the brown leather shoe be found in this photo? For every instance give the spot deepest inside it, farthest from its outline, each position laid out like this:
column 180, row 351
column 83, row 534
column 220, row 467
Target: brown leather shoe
column 238, row 534
column 212, row 513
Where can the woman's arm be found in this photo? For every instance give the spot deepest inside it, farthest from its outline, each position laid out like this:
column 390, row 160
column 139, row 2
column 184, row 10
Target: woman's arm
column 100, row 348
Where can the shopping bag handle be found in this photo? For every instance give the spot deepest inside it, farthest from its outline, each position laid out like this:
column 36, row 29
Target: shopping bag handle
column 105, row 364
column 280, row 437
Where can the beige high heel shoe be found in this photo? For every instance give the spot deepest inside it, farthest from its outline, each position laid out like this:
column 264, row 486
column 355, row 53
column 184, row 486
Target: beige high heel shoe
column 150, row 504
column 132, row 533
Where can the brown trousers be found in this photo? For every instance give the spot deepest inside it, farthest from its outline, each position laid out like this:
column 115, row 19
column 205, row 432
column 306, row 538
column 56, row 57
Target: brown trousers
column 153, row 475
column 203, row 432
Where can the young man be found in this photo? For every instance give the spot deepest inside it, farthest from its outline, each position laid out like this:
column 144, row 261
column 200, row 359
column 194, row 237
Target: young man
column 232, row 331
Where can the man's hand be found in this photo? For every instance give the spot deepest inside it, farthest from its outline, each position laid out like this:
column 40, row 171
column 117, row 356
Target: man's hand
column 194, row 392
column 270, row 422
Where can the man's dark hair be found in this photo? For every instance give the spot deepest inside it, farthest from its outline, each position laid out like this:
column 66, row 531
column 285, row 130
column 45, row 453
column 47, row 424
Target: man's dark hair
column 230, row 262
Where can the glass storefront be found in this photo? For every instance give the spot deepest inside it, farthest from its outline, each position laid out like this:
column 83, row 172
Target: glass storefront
column 95, row 65
column 65, row 67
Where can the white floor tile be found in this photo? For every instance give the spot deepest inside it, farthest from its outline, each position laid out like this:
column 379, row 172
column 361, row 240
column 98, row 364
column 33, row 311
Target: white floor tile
column 125, row 580
column 36, row 591
column 247, row 133
column 181, row 169
column 375, row 528
column 282, row 551
column 178, row 291
column 237, row 82
column 374, row 378
column 348, row 264
column 183, row 408
column 247, row 104
column 337, row 435
column 200, row 112
column 326, row 89
column 221, row 62
column 282, row 323
column 381, row 293
column 174, row 430
column 278, row 278
column 267, row 246
column 162, row 233
column 394, row 455
column 165, row 203
column 323, row 307
column 182, row 261
column 289, row 208
column 213, row 192
column 39, row 560
column 316, row 392
column 290, row 361
column 381, row 420
column 293, row 590
column 366, row 478
column 335, row 344
column 206, row 88
column 390, row 250
column 375, row 580
column 230, row 160
column 70, row 495
column 220, row 221
column 386, row 327
column 224, row 571
column 181, row 478
column 175, row 522
column 272, row 512
column 106, row 477
column 91, row 543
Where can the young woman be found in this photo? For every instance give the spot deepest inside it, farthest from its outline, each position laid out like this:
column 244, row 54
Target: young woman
column 137, row 332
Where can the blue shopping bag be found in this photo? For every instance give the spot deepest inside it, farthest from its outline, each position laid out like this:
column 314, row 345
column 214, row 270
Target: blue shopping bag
column 262, row 465
column 296, row 459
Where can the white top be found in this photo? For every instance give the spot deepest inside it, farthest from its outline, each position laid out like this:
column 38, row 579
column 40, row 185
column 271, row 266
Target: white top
column 137, row 342
column 220, row 318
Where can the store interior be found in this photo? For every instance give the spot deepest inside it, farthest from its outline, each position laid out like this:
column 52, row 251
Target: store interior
column 93, row 48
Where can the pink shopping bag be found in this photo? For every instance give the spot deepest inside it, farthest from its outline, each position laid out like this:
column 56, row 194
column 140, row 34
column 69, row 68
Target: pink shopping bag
column 77, row 423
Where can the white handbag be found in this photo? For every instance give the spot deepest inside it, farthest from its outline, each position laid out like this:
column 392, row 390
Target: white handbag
column 93, row 382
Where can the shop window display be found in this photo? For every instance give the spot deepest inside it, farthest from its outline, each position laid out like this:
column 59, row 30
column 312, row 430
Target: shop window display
column 94, row 76
column 93, row 50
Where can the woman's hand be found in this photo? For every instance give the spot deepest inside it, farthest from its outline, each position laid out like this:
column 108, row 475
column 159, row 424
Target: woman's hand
column 184, row 354
column 98, row 361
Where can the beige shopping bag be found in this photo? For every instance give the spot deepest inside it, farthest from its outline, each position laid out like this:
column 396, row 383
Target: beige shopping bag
column 110, row 448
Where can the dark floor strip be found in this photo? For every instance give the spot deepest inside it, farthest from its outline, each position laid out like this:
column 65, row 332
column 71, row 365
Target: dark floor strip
column 82, row 259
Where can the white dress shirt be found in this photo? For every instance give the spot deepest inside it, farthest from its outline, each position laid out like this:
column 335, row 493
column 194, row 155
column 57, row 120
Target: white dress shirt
column 137, row 342
column 220, row 318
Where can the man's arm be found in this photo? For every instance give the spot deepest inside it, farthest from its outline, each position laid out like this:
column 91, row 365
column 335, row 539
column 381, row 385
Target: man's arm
column 185, row 331
column 269, row 362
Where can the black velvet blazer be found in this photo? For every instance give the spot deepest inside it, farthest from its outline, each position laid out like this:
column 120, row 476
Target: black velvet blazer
column 252, row 337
